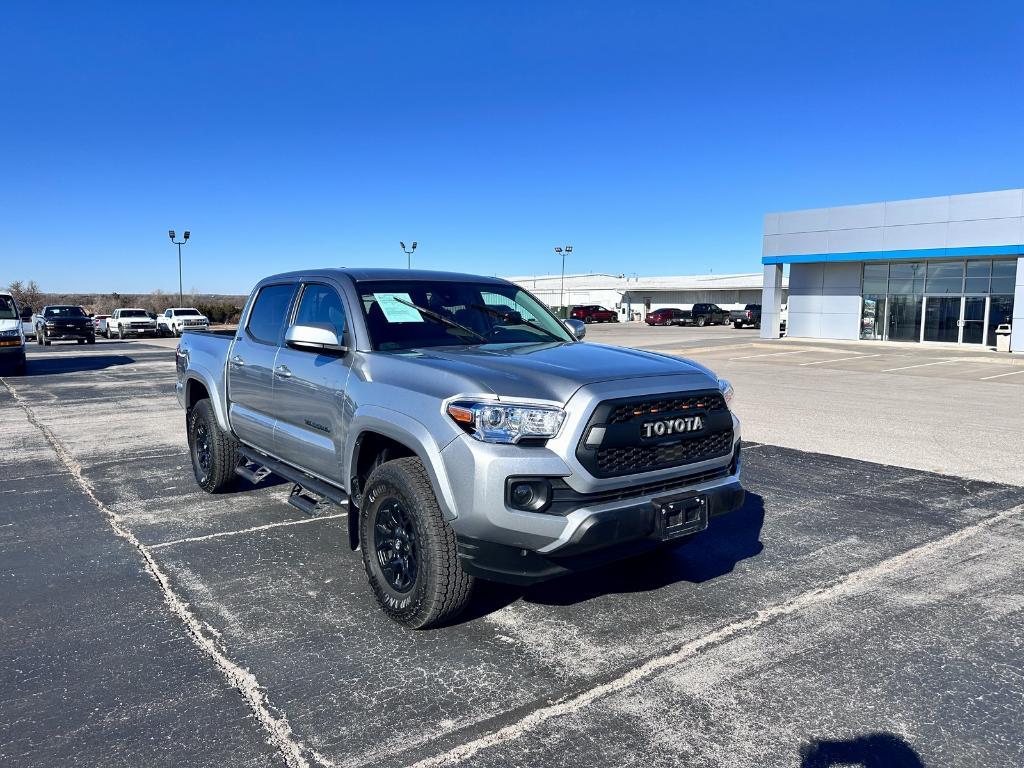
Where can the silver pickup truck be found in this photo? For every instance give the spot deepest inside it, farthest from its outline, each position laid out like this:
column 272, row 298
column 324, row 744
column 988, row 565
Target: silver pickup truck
column 470, row 432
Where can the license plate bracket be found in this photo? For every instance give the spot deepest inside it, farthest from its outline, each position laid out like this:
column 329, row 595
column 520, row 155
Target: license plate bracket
column 681, row 515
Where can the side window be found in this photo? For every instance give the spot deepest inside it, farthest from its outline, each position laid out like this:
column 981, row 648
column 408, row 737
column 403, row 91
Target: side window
column 167, row 313
column 321, row 305
column 267, row 316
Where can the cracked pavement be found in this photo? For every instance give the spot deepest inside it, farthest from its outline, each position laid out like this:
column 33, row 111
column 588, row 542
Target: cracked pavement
column 849, row 609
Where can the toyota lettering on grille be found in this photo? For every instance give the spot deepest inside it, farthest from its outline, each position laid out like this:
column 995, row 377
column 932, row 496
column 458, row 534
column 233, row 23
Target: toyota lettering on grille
column 664, row 427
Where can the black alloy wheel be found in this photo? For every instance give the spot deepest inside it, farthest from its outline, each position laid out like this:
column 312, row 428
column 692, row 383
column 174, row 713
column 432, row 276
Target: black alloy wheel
column 201, row 452
column 397, row 545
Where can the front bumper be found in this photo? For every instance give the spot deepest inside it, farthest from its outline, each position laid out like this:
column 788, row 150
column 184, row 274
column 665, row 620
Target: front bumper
column 609, row 519
column 63, row 335
column 601, row 537
column 139, row 332
column 14, row 352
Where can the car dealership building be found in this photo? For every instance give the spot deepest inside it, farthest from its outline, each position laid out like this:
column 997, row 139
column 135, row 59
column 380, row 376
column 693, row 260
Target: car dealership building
column 939, row 269
column 633, row 296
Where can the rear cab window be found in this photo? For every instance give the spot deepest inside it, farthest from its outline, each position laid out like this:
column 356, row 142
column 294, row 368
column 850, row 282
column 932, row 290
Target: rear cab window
column 269, row 312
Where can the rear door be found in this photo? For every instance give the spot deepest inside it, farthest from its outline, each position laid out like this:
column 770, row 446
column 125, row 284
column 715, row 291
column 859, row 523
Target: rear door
column 309, row 389
column 251, row 365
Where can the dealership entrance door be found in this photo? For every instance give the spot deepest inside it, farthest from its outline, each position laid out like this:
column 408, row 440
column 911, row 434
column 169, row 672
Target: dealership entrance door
column 954, row 319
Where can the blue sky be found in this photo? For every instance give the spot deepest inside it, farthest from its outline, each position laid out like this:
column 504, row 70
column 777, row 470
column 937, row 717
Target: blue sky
column 651, row 136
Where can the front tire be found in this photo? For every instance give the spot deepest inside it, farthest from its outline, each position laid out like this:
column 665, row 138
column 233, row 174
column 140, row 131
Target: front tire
column 409, row 550
column 214, row 452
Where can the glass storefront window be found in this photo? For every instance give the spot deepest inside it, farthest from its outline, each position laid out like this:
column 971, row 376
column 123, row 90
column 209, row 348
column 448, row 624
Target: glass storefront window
column 872, row 322
column 964, row 300
column 876, row 277
column 945, row 277
column 906, row 277
column 904, row 318
column 978, row 273
column 1004, row 276
column 1000, row 311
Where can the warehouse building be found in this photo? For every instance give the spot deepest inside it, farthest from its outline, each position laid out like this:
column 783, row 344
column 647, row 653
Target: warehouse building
column 633, row 296
column 939, row 269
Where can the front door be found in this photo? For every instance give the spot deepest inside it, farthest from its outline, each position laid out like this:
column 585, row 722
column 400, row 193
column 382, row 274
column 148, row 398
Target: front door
column 941, row 319
column 309, row 390
column 974, row 320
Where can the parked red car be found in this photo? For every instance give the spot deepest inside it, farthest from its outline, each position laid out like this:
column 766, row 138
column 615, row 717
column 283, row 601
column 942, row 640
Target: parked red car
column 592, row 313
column 666, row 316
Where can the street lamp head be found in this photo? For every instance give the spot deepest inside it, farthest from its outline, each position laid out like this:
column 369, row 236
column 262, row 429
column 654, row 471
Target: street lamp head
column 558, row 250
column 568, row 249
column 170, row 233
column 187, row 233
column 401, row 244
column 414, row 245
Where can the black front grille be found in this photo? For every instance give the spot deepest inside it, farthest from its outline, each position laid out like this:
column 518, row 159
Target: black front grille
column 712, row 401
column 621, row 445
column 644, row 458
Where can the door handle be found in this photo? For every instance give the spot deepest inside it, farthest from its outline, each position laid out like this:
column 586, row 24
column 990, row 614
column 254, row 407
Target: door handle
column 283, row 372
column 236, row 360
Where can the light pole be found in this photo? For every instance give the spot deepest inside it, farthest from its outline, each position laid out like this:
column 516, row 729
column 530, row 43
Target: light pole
column 170, row 234
column 563, row 252
column 408, row 251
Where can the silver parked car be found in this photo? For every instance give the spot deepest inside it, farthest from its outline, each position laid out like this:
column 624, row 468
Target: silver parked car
column 471, row 433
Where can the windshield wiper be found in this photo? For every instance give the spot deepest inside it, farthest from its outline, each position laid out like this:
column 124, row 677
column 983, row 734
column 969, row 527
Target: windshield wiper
column 438, row 317
column 523, row 320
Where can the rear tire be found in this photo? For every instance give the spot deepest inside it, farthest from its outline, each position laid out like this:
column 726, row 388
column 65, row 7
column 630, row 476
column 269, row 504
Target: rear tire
column 701, row 321
column 214, row 452
column 409, row 550
column 107, row 332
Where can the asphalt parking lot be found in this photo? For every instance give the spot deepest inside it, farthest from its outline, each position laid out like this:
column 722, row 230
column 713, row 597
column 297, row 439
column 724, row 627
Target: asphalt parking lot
column 866, row 603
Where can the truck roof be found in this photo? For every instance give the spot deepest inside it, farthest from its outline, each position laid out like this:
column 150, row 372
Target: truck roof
column 380, row 273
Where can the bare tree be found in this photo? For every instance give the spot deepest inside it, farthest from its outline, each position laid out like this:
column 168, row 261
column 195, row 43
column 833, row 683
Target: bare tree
column 26, row 294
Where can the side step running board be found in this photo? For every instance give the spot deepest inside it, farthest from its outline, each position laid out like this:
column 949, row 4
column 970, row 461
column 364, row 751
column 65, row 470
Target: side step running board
column 307, row 494
column 254, row 473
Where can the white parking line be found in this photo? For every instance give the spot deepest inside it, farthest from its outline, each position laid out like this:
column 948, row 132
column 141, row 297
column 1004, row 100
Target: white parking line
column 254, row 529
column 919, row 365
column 839, row 359
column 769, row 354
column 998, row 375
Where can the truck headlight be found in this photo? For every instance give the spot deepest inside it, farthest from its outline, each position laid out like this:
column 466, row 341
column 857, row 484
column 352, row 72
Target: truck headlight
column 494, row 422
column 726, row 389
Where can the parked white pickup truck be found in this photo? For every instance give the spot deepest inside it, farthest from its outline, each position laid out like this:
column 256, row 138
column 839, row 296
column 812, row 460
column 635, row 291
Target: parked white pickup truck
column 176, row 320
column 130, row 322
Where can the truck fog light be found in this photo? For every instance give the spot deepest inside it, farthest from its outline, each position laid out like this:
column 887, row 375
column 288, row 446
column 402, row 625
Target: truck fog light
column 532, row 495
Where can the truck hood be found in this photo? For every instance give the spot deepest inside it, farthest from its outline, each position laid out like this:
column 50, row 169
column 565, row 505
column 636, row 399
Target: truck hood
column 546, row 371
column 8, row 325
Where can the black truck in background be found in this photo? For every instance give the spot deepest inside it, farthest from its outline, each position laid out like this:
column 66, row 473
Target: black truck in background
column 706, row 314
column 749, row 315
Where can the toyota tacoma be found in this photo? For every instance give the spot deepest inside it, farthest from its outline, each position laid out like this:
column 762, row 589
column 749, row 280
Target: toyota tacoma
column 469, row 431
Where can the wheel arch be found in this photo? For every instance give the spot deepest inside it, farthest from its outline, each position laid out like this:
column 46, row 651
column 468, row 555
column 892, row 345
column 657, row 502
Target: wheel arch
column 374, row 429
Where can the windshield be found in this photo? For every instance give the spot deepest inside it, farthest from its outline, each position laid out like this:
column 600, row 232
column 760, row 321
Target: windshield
column 446, row 313
column 134, row 313
column 7, row 308
column 189, row 312
column 63, row 312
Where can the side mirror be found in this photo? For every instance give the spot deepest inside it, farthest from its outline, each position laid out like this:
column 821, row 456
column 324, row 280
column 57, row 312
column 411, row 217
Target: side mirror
column 577, row 328
column 316, row 337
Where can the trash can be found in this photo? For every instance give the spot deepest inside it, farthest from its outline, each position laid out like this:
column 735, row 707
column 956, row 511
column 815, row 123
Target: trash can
column 1003, row 337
